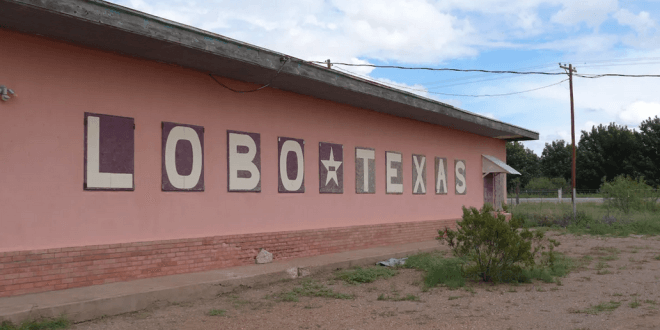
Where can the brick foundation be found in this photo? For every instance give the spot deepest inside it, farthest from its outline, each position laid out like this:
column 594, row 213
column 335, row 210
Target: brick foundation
column 23, row 272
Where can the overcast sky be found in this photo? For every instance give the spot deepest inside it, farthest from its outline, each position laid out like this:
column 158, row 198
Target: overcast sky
column 596, row 36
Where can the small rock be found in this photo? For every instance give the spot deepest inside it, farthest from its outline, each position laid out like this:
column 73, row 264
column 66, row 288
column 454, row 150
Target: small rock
column 302, row 272
column 264, row 257
column 292, row 272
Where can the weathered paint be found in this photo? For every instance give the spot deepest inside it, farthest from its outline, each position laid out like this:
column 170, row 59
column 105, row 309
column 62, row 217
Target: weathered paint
column 419, row 174
column 243, row 161
column 331, row 168
column 109, row 153
column 183, row 157
column 291, row 165
column 365, row 170
column 44, row 204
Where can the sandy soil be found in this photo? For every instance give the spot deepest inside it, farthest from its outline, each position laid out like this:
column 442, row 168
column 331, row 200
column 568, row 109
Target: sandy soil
column 614, row 271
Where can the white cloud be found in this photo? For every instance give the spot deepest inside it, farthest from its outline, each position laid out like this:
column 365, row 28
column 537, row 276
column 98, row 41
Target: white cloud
column 591, row 12
column 413, row 32
column 639, row 111
column 487, row 114
column 581, row 44
column 640, row 23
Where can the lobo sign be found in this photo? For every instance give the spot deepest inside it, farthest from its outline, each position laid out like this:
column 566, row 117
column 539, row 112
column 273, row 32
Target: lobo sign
column 183, row 157
column 110, row 147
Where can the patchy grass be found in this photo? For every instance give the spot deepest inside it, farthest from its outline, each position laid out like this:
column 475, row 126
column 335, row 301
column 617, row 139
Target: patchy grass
column 439, row 270
column 365, row 275
column 600, row 267
column 447, row 271
column 602, row 307
column 634, row 304
column 657, row 257
column 217, row 312
column 310, row 288
column 594, row 219
column 396, row 297
column 58, row 323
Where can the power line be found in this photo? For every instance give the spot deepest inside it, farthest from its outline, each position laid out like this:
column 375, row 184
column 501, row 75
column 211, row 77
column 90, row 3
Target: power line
column 444, row 69
column 477, row 76
column 618, row 64
column 615, row 60
column 496, row 71
column 505, row 94
column 449, row 94
column 591, row 76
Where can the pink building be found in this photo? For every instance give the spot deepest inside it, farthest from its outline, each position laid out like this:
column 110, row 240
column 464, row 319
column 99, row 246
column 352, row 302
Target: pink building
column 123, row 156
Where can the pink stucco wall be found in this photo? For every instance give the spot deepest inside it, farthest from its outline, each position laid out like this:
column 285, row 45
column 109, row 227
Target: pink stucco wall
column 43, row 204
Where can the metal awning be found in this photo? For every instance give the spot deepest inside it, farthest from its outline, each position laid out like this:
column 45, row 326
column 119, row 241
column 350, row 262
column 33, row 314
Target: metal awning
column 492, row 164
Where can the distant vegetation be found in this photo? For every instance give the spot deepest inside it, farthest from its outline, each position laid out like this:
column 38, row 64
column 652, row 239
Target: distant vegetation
column 604, row 153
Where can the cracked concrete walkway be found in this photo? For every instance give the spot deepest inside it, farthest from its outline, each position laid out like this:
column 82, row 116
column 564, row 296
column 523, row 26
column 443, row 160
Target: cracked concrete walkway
column 86, row 303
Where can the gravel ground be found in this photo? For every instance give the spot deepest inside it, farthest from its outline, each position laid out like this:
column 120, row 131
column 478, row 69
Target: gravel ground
column 617, row 287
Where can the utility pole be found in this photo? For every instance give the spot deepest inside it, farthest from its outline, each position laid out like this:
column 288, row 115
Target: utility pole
column 570, row 69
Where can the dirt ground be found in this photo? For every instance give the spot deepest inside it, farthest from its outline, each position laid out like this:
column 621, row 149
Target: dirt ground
column 617, row 286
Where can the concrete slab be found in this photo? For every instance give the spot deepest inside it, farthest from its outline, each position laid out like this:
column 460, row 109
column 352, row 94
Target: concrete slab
column 81, row 304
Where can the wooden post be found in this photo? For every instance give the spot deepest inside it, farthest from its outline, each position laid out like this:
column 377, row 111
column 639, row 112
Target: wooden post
column 570, row 69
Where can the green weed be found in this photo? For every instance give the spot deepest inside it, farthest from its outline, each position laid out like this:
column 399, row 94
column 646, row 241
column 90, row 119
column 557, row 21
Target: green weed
column 59, row 323
column 217, row 312
column 439, row 270
column 602, row 307
column 470, row 290
column 396, row 297
column 310, row 288
column 365, row 275
column 634, row 304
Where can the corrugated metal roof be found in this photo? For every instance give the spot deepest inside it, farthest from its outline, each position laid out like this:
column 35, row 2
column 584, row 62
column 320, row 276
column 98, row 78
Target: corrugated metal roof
column 501, row 164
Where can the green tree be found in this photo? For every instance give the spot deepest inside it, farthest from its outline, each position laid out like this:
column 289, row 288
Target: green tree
column 627, row 194
column 524, row 161
column 606, row 152
column 544, row 183
column 556, row 160
column 649, row 155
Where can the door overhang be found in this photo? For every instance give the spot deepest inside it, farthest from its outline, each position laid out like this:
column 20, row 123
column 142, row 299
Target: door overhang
column 491, row 164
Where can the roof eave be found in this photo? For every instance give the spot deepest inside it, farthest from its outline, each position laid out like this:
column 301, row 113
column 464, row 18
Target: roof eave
column 111, row 27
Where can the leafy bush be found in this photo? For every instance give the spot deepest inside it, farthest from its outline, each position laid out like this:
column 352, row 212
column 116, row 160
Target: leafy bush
column 495, row 250
column 628, row 194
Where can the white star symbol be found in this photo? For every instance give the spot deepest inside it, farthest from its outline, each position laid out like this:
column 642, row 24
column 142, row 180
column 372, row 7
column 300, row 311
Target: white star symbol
column 331, row 163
